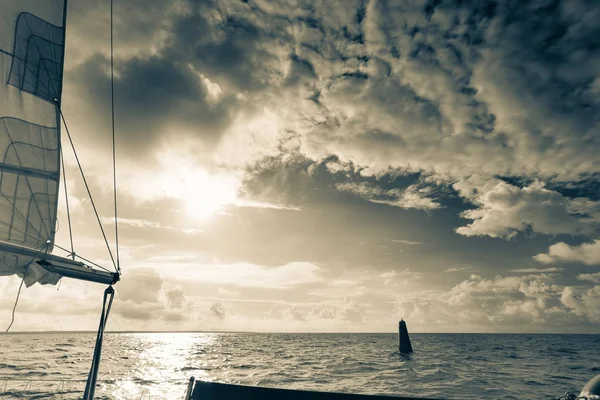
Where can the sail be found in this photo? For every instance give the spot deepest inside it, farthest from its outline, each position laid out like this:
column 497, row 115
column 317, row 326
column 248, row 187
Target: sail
column 32, row 42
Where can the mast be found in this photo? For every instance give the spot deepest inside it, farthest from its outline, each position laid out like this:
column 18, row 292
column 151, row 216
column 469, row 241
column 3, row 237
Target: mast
column 64, row 266
column 59, row 100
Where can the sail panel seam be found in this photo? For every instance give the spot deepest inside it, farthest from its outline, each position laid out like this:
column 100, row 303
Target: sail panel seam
column 52, row 94
column 36, row 173
column 48, row 231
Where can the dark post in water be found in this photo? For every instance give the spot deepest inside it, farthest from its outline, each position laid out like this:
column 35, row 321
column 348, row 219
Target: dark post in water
column 403, row 339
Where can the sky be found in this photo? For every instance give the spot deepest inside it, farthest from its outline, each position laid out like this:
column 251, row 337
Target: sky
column 333, row 166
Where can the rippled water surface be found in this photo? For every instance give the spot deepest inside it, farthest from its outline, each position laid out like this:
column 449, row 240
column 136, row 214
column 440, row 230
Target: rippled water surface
column 158, row 365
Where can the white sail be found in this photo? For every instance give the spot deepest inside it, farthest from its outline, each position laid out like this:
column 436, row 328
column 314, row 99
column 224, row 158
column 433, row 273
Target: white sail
column 32, row 39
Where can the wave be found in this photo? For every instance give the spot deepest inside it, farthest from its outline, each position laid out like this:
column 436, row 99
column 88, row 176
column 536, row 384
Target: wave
column 449, row 366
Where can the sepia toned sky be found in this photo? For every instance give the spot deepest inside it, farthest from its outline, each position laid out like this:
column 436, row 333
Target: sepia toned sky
column 307, row 166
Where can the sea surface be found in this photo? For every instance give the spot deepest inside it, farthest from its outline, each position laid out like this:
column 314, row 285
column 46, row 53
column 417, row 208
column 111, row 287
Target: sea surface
column 158, row 365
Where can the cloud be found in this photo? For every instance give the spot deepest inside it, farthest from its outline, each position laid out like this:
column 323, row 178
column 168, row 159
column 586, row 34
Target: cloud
column 586, row 253
column 143, row 296
column 504, row 210
column 408, row 242
column 271, row 206
column 352, row 311
column 501, row 302
column 460, row 268
column 227, row 293
column 542, row 98
column 595, row 277
column 583, row 302
column 536, row 270
column 256, row 276
column 459, row 107
column 148, row 88
column 144, row 223
column 176, row 297
column 218, row 310
column 411, row 197
column 447, row 91
column 141, row 285
column 138, row 311
column 392, row 278
column 244, row 110
column 140, row 27
column 332, row 315
column 228, row 40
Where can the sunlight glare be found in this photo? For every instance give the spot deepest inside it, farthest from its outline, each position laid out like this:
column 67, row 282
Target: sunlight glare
column 204, row 194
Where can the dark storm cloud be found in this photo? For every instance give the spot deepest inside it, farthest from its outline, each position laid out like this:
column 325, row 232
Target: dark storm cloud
column 226, row 43
column 541, row 56
column 138, row 24
column 364, row 231
column 460, row 92
column 154, row 97
column 446, row 84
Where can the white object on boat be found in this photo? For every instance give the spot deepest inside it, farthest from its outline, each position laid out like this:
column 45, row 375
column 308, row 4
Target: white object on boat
column 591, row 390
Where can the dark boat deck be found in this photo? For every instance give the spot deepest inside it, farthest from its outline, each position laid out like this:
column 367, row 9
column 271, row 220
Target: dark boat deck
column 221, row 391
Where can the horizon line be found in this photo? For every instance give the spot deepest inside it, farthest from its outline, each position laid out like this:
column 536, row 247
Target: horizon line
column 301, row 332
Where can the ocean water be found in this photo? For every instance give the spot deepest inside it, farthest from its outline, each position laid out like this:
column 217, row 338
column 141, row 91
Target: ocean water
column 158, row 365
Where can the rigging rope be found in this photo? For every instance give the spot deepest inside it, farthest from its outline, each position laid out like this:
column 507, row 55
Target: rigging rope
column 112, row 115
column 62, row 161
column 87, row 187
column 90, row 386
column 15, row 306
column 83, row 258
column 45, row 245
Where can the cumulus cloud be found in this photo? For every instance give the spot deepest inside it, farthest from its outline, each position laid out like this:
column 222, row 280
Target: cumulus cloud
column 350, row 311
column 583, row 302
column 510, row 301
column 143, row 296
column 138, row 311
column 332, row 314
column 141, row 285
column 586, row 253
column 218, row 310
column 176, row 297
column 505, row 209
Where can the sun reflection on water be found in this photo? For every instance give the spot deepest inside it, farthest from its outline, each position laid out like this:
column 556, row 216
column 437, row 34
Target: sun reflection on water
column 158, row 365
